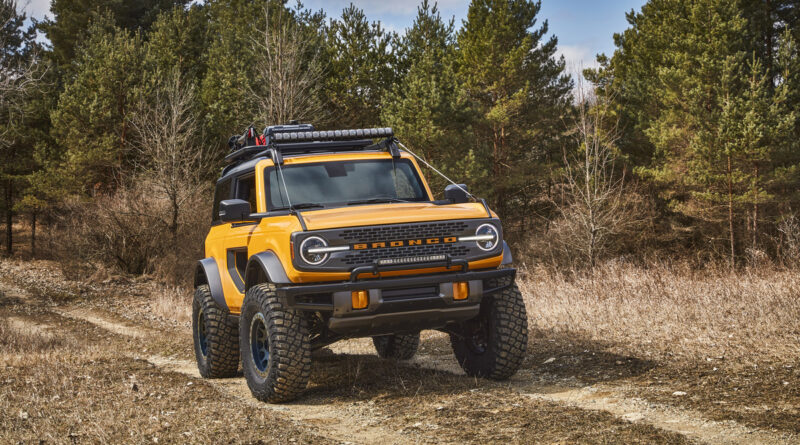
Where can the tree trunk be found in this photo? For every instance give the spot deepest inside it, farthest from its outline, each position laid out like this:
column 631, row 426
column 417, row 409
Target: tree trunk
column 33, row 234
column 173, row 227
column 9, row 215
column 755, row 211
column 730, row 214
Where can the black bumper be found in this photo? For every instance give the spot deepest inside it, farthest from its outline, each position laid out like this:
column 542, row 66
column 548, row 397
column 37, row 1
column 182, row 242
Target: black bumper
column 396, row 305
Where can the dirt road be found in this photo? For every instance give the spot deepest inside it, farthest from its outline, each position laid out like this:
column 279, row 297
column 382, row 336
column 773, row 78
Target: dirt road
column 80, row 368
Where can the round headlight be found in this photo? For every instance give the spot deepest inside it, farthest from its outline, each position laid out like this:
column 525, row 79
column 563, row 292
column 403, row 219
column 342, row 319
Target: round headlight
column 309, row 243
column 488, row 237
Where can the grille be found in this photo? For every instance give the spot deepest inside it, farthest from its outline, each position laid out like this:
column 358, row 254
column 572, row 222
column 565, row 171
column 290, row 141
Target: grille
column 406, row 231
column 368, row 256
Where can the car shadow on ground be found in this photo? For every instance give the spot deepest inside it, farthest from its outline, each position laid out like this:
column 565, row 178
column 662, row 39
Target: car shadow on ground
column 571, row 360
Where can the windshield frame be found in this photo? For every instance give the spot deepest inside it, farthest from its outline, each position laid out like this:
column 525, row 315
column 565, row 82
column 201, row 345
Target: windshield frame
column 413, row 166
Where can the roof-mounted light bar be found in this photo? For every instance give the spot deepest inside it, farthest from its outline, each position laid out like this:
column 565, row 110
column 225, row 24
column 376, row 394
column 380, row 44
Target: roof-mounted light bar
column 330, row 135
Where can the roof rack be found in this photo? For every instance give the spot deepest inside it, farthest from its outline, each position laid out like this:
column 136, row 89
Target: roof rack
column 278, row 141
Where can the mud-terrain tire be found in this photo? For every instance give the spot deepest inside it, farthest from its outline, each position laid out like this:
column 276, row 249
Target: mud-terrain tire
column 216, row 338
column 396, row 346
column 275, row 347
column 494, row 343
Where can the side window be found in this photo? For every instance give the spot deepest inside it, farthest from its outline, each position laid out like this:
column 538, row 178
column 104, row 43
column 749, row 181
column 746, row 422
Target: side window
column 222, row 192
column 246, row 189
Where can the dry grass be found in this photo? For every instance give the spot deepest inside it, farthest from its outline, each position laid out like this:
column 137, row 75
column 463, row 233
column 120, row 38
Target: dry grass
column 17, row 337
column 173, row 303
column 672, row 311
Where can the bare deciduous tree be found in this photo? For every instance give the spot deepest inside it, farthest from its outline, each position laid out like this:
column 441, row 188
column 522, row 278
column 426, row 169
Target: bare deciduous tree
column 593, row 209
column 172, row 155
column 288, row 72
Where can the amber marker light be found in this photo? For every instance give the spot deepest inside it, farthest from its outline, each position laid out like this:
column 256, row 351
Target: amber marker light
column 360, row 299
column 460, row 290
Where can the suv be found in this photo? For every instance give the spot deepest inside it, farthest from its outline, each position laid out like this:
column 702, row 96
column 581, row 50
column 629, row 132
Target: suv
column 319, row 236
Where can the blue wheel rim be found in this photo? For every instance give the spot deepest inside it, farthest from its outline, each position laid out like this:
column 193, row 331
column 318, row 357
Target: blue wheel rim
column 202, row 334
column 259, row 342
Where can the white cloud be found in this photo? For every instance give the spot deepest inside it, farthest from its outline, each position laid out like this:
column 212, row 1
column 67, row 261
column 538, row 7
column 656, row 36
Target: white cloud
column 577, row 57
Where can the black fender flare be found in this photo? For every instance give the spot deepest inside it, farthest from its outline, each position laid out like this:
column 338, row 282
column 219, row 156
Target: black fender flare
column 507, row 258
column 207, row 272
column 264, row 267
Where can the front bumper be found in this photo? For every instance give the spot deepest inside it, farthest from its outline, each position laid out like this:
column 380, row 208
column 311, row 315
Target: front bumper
column 396, row 305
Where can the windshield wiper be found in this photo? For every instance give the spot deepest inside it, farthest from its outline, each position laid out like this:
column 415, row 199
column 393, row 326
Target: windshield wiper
column 300, row 206
column 375, row 201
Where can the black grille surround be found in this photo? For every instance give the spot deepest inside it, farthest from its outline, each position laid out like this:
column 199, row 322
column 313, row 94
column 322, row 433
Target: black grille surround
column 401, row 235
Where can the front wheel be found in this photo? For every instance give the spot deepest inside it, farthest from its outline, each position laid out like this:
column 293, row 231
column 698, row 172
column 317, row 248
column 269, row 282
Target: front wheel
column 275, row 346
column 493, row 344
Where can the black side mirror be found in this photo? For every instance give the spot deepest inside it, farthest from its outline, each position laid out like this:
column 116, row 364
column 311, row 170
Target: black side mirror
column 234, row 210
column 456, row 194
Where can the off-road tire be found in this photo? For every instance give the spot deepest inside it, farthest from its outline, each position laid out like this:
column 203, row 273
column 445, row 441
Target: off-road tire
column 218, row 355
column 284, row 373
column 498, row 348
column 396, row 346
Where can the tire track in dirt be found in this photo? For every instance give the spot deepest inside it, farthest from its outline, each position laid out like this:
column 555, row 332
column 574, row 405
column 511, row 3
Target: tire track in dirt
column 326, row 418
column 614, row 400
column 102, row 322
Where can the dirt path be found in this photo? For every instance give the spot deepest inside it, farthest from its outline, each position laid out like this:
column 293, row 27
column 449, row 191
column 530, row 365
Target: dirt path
column 358, row 427
column 361, row 429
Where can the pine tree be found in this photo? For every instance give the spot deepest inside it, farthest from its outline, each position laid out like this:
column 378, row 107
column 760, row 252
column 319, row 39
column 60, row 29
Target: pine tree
column 179, row 39
column 21, row 71
column 707, row 107
column 423, row 105
column 91, row 119
column 68, row 28
column 361, row 69
column 518, row 93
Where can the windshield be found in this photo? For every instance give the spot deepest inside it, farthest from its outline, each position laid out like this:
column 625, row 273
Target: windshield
column 345, row 182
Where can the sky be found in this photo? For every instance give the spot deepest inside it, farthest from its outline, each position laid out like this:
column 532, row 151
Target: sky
column 584, row 27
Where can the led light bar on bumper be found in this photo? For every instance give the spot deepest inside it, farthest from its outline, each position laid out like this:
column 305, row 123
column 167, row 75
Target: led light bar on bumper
column 411, row 260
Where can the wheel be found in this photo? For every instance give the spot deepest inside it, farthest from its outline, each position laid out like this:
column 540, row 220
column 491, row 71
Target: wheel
column 275, row 346
column 398, row 347
column 216, row 343
column 493, row 344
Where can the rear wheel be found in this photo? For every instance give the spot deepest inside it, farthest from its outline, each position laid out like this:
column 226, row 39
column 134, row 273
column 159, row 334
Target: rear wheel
column 398, row 347
column 216, row 342
column 275, row 347
column 493, row 344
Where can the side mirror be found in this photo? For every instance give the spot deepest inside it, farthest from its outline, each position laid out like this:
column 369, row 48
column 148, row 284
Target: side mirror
column 456, row 194
column 234, row 210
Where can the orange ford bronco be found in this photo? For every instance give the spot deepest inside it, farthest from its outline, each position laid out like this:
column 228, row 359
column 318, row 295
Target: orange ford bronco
column 320, row 236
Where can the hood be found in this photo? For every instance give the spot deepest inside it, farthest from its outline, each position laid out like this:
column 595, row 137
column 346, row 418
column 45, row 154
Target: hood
column 395, row 213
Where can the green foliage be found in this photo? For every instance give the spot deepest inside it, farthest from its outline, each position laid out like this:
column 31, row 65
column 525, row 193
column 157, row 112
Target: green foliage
column 704, row 90
column 361, row 60
column 424, row 103
column 518, row 94
column 91, row 119
column 703, row 95
column 70, row 24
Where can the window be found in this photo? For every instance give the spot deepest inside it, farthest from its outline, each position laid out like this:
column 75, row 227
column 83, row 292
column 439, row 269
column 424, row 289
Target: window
column 246, row 190
column 222, row 192
column 339, row 183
